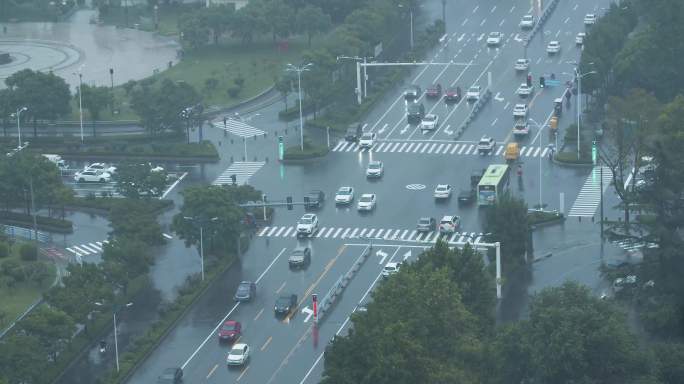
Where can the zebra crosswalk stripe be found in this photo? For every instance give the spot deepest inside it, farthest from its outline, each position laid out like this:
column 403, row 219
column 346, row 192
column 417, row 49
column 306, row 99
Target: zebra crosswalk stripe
column 243, row 171
column 238, row 128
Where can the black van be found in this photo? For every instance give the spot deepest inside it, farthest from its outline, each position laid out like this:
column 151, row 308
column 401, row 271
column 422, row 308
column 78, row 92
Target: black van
column 354, row 132
column 415, row 113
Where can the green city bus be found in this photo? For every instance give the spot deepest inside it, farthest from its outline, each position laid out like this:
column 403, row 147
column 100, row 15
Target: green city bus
column 493, row 184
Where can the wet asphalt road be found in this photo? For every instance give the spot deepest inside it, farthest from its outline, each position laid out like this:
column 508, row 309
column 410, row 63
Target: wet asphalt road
column 290, row 351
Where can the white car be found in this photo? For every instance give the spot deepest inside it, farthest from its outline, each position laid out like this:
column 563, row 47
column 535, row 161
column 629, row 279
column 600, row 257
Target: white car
column 520, row 110
column 307, row 225
column 100, row 167
column 238, row 355
column 494, row 38
column 525, row 90
column 344, row 195
column 553, row 47
column 367, row 140
column 443, row 191
column 473, row 93
column 590, row 19
column 485, row 145
column 366, row 202
column 527, row 21
column 521, row 128
column 375, row 169
column 430, row 122
column 390, row 269
column 92, row 176
column 579, row 39
column 522, row 65
column 449, row 224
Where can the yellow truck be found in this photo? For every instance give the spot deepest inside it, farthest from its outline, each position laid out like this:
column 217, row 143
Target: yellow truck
column 512, row 151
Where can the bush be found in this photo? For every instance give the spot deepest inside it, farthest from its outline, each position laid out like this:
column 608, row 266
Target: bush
column 539, row 217
column 310, row 151
column 4, row 249
column 28, row 252
column 234, row 91
column 571, row 158
column 293, row 112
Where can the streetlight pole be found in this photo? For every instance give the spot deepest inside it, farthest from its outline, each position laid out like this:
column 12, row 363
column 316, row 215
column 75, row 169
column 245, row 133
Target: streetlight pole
column 410, row 9
column 579, row 77
column 299, row 71
column 201, row 223
column 444, row 13
column 80, row 100
column 539, row 127
column 18, row 115
column 116, row 337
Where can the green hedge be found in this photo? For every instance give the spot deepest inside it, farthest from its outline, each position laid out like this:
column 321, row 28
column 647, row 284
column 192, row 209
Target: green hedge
column 293, row 111
column 571, row 158
column 310, row 152
column 43, row 222
column 107, row 203
column 540, row 217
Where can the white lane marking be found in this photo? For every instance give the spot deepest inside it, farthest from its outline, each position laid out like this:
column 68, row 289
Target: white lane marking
column 495, row 120
column 424, row 148
column 382, row 255
column 409, row 147
column 370, row 232
column 352, row 234
column 464, row 22
column 329, row 232
column 379, row 233
column 507, row 104
column 446, row 149
column 544, row 152
column 483, row 22
column 460, row 37
column 270, row 233
column 498, row 151
column 417, row 147
column 213, row 332
column 382, row 130
column 289, row 229
column 309, row 312
column 363, row 231
column 575, row 7
column 512, row 8
column 536, row 152
column 493, row 9
column 538, row 60
column 462, row 148
column 566, row 20
column 319, row 233
column 502, row 22
column 280, row 231
column 173, row 185
column 403, row 234
column 476, row 8
column 558, row 33
column 439, row 148
column 472, row 146
column 455, row 148
column 338, row 232
column 337, row 147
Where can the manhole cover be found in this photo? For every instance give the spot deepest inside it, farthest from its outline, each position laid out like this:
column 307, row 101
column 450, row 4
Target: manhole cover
column 415, row 187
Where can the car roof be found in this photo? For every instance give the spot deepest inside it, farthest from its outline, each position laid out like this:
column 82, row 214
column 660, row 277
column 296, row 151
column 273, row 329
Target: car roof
column 344, row 188
column 367, row 195
column 239, row 345
column 246, row 282
column 430, row 115
column 520, row 105
column 231, row 322
column 442, row 185
column 308, row 216
column 553, row 42
column 425, row 218
column 448, row 218
column 374, row 162
column 392, row 264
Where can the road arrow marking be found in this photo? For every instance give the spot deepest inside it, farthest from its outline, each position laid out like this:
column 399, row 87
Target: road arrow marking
column 447, row 131
column 498, row 97
column 308, row 312
column 517, row 38
column 167, row 236
column 384, row 127
column 404, row 129
column 383, row 256
column 481, row 36
column 506, row 106
column 407, row 255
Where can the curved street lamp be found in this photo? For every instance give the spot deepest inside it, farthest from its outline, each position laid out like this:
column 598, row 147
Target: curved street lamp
column 299, row 70
column 18, row 116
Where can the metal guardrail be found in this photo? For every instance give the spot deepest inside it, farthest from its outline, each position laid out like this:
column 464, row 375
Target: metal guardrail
column 542, row 19
column 479, row 104
column 26, row 233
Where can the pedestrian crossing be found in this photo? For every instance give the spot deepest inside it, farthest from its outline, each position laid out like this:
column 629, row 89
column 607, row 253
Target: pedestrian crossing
column 242, row 170
column 373, row 233
column 435, row 148
column 237, row 128
column 589, row 197
column 633, row 244
column 86, row 249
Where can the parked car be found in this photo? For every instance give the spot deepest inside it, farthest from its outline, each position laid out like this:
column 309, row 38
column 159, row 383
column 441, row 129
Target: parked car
column 485, row 145
column 390, row 269
column 494, row 38
column 366, row 202
column 307, row 225
column 92, row 176
column 367, row 140
column 354, row 132
column 314, row 199
column 229, row 331
column 412, row 92
column 442, row 191
column 473, row 93
column 344, row 195
column 449, row 224
column 246, row 291
column 426, row 224
column 285, row 304
column 375, row 169
column 172, row 375
column 522, row 65
column 434, row 91
column 430, row 122
column 300, row 257
column 415, row 113
column 238, row 355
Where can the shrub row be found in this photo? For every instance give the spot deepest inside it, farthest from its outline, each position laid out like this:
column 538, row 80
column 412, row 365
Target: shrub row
column 43, row 222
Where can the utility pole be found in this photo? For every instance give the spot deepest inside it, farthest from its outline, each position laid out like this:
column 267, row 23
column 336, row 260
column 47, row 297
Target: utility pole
column 444, row 13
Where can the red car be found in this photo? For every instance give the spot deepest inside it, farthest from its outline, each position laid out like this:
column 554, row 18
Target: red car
column 230, row 331
column 434, row 91
column 452, row 95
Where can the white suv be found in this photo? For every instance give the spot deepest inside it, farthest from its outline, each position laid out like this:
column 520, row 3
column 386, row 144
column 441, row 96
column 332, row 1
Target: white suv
column 520, row 110
column 92, row 176
column 485, row 145
column 473, row 93
column 430, row 122
column 527, row 21
column 590, row 19
column 391, row 268
column 307, row 225
column 449, row 224
column 367, row 140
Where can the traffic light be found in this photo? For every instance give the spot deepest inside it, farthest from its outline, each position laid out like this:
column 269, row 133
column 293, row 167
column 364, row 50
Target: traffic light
column 233, row 178
column 281, row 148
column 542, row 81
column 594, row 152
column 264, row 198
column 529, row 80
column 289, row 203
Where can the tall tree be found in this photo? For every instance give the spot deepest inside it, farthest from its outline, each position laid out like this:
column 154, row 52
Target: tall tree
column 572, row 337
column 95, row 99
column 507, row 223
column 278, row 17
column 45, row 95
column 217, row 18
column 72, row 298
column 125, row 259
column 312, row 21
column 160, row 104
column 194, row 31
column 51, row 326
column 22, row 358
column 248, row 22
column 136, row 180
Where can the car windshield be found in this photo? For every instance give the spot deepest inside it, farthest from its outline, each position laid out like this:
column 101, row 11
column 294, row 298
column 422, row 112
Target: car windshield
column 298, row 252
column 305, row 220
column 445, row 221
column 236, row 351
column 367, row 136
column 344, row 191
column 366, row 199
column 283, row 301
column 527, row 17
column 374, row 165
column 424, row 220
column 484, row 142
column 390, row 268
column 229, row 327
column 474, row 89
column 430, row 118
column 494, row 34
column 243, row 288
column 441, row 188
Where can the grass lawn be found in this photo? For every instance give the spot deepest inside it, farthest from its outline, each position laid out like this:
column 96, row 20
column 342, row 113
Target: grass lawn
column 144, row 17
column 17, row 299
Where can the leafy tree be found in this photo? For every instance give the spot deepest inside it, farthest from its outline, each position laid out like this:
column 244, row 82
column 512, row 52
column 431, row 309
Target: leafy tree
column 571, row 337
column 466, row 268
column 313, row 21
column 132, row 219
column 159, row 104
column 248, row 22
column 507, row 223
column 217, row 18
column 22, row 358
column 194, row 31
column 278, row 17
column 403, row 339
column 51, row 326
column 205, row 203
column 284, row 86
column 84, row 285
column 6, row 108
column 125, row 259
column 45, row 94
column 670, row 357
column 20, row 171
column 95, row 99
column 135, row 180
